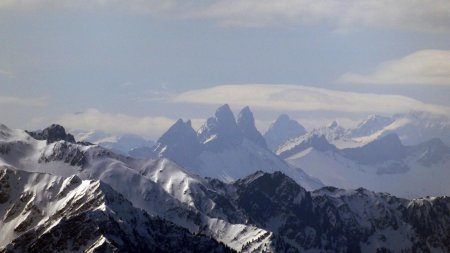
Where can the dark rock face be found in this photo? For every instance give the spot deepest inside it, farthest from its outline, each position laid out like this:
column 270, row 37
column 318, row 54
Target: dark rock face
column 431, row 152
column 336, row 220
column 284, row 195
column 221, row 131
column 386, row 148
column 66, row 152
column 52, row 134
column 246, row 123
column 282, row 130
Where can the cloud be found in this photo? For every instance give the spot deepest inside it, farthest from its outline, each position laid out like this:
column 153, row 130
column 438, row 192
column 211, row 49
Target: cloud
column 127, row 84
column 416, row 15
column 425, row 67
column 116, row 123
column 422, row 15
column 131, row 6
column 7, row 73
column 20, row 101
column 304, row 98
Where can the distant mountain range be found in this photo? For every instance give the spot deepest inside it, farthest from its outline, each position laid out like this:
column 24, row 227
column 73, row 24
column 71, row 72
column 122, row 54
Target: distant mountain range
column 380, row 160
column 125, row 144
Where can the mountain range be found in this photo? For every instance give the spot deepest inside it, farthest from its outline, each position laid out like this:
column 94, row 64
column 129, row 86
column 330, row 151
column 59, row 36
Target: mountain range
column 220, row 189
column 225, row 148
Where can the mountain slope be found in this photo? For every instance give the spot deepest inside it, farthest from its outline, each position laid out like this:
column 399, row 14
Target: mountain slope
column 416, row 127
column 343, row 220
column 45, row 213
column 282, row 130
column 370, row 125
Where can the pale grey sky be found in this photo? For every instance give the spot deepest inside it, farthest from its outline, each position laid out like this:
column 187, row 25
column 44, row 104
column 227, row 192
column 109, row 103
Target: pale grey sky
column 150, row 62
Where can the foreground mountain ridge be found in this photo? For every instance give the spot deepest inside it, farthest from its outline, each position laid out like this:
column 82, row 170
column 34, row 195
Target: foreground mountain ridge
column 46, row 213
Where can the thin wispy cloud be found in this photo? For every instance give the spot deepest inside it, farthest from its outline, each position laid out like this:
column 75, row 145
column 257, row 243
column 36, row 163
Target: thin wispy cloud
column 305, row 98
column 129, row 6
column 22, row 101
column 116, row 123
column 127, row 84
column 6, row 73
column 422, row 15
column 425, row 67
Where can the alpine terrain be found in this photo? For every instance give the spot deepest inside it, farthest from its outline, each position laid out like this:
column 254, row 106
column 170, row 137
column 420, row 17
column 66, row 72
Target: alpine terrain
column 53, row 186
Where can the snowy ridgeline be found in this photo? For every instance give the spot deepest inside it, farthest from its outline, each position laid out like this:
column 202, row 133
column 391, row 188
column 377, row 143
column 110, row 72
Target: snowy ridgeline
column 261, row 212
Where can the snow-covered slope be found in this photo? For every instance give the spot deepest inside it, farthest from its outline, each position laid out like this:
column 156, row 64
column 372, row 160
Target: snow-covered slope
column 282, row 130
column 122, row 143
column 333, row 134
column 46, row 213
column 414, row 128
column 382, row 165
column 160, row 187
column 370, row 125
column 225, row 149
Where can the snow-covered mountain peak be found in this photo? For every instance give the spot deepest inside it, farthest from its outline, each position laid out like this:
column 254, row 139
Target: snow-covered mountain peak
column 333, row 131
column 370, row 125
column 415, row 127
column 283, row 129
column 246, row 123
column 313, row 140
